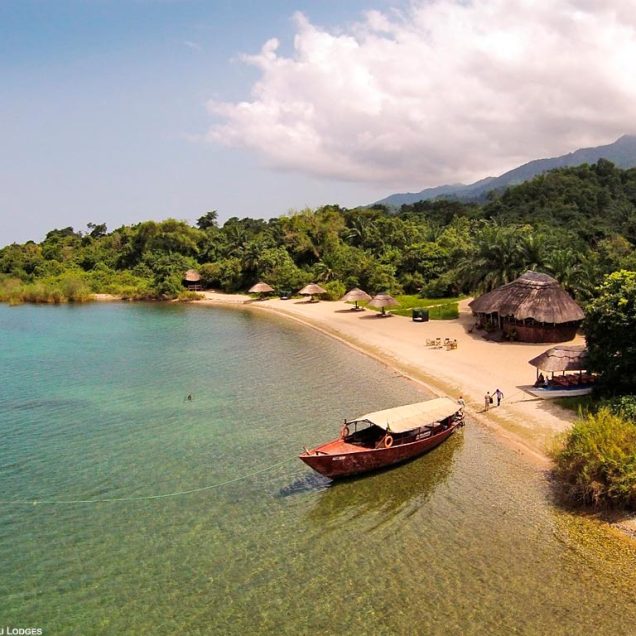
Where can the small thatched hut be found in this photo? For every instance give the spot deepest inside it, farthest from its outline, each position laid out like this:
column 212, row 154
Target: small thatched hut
column 192, row 280
column 563, row 358
column 532, row 308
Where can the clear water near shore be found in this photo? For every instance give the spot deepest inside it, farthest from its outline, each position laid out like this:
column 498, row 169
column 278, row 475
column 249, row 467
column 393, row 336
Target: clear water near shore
column 93, row 406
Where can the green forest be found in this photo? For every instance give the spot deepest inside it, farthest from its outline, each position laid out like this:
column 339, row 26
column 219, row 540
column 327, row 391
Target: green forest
column 576, row 224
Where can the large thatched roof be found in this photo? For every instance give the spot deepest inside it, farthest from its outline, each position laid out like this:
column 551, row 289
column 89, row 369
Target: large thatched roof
column 192, row 276
column 533, row 295
column 563, row 358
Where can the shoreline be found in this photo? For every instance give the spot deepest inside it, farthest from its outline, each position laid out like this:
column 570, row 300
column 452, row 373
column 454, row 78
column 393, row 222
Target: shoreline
column 541, row 422
column 525, row 424
column 436, row 387
column 549, row 419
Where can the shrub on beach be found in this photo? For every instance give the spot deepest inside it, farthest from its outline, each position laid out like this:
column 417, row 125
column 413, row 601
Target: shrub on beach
column 448, row 311
column 624, row 405
column 596, row 462
column 335, row 290
column 186, row 296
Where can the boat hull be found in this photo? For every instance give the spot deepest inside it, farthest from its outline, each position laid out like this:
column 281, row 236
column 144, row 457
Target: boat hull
column 340, row 459
column 550, row 394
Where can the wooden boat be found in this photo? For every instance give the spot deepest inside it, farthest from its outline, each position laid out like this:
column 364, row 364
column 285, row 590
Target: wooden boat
column 385, row 438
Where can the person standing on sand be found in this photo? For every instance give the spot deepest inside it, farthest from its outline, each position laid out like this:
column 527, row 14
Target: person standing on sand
column 487, row 401
column 499, row 395
column 462, row 404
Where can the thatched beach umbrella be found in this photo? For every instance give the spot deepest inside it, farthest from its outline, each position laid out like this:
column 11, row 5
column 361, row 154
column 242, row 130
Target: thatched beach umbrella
column 381, row 301
column 312, row 290
column 354, row 296
column 534, row 308
column 261, row 289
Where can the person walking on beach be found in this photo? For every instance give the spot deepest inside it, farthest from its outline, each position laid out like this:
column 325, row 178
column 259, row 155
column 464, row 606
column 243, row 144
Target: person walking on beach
column 499, row 395
column 487, row 400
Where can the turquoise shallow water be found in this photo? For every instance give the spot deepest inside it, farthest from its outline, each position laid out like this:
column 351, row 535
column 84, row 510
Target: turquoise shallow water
column 92, row 407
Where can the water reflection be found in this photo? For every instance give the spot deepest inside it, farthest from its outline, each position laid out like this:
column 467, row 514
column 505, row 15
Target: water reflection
column 388, row 496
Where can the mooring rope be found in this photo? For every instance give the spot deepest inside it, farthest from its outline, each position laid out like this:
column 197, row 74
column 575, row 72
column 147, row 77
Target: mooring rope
column 34, row 502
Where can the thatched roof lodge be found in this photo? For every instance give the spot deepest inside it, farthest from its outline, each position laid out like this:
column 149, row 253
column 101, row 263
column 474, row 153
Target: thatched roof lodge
column 532, row 308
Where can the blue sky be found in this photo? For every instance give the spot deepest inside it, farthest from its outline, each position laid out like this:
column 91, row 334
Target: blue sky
column 101, row 99
column 119, row 111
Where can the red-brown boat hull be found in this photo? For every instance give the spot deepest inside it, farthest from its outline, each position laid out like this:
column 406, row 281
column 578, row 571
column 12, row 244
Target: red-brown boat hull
column 337, row 458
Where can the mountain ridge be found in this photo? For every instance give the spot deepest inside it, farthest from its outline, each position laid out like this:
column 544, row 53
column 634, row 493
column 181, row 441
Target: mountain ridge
column 621, row 152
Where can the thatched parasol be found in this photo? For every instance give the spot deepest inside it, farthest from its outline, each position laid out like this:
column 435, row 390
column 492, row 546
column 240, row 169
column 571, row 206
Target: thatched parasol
column 312, row 290
column 381, row 301
column 563, row 358
column 192, row 276
column 260, row 288
column 533, row 295
column 354, row 296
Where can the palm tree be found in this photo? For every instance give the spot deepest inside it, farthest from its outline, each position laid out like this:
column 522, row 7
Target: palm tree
column 496, row 260
column 360, row 229
column 564, row 265
column 532, row 250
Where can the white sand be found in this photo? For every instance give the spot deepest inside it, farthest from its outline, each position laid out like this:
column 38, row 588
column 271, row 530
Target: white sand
column 476, row 366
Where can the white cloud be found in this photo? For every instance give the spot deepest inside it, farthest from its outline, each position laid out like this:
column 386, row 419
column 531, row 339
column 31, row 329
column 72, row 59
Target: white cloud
column 447, row 90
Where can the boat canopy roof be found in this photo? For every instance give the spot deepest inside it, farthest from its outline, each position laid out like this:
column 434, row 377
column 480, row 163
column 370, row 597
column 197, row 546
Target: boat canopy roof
column 410, row 416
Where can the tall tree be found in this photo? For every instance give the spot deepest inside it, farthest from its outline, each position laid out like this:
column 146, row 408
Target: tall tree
column 209, row 219
column 609, row 324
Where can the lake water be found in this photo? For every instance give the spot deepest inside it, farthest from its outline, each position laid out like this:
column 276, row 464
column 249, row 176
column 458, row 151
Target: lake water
column 93, row 407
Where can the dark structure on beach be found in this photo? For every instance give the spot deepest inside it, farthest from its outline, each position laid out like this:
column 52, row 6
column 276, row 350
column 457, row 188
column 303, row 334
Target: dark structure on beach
column 192, row 280
column 532, row 308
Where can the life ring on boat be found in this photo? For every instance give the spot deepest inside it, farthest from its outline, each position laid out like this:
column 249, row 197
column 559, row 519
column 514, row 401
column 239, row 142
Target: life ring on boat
column 344, row 431
column 388, row 441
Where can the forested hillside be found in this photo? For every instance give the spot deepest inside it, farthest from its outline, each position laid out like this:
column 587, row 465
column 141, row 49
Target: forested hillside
column 577, row 224
column 622, row 152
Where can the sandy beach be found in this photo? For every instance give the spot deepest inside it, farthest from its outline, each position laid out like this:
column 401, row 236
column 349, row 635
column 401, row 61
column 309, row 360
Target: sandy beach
column 524, row 422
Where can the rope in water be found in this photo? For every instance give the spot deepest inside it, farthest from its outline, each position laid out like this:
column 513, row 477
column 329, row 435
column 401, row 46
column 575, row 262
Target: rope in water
column 34, row 502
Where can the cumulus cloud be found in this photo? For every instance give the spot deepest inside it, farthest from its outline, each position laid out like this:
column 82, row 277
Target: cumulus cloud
column 445, row 90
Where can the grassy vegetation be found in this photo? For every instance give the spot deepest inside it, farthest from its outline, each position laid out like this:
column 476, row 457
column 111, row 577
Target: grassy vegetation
column 186, row 296
column 438, row 308
column 581, row 404
column 596, row 461
column 73, row 286
column 624, row 405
